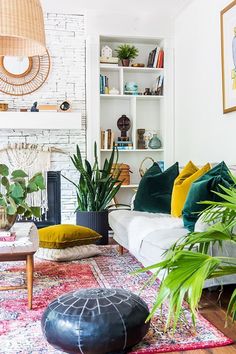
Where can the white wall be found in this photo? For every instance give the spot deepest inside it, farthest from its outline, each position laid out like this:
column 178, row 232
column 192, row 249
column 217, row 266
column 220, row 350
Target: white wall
column 202, row 132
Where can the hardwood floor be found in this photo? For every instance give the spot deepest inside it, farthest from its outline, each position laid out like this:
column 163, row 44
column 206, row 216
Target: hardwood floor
column 213, row 308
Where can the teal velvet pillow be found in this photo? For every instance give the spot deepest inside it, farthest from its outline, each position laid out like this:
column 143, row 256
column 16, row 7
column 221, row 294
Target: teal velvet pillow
column 202, row 190
column 154, row 169
column 155, row 189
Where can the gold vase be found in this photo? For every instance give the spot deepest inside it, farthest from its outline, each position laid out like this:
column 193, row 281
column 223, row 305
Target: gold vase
column 6, row 221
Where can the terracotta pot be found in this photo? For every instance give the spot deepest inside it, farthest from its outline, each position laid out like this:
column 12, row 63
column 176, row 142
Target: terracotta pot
column 6, row 221
column 125, row 62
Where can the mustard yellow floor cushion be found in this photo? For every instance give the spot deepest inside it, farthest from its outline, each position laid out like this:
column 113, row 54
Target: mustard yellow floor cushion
column 63, row 236
column 182, row 184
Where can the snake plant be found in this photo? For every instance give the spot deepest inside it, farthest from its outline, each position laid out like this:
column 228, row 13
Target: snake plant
column 96, row 186
column 14, row 189
column 187, row 264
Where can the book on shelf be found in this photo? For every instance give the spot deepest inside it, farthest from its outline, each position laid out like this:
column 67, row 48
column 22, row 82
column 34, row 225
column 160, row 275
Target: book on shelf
column 160, row 60
column 124, row 145
column 159, row 85
column 104, row 84
column 155, row 61
column 156, row 58
column 107, row 139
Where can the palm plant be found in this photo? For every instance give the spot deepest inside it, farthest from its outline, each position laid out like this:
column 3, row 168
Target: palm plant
column 187, row 264
column 96, row 186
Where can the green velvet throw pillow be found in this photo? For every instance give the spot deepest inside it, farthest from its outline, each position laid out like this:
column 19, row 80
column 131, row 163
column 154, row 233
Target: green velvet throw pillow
column 155, row 189
column 202, row 190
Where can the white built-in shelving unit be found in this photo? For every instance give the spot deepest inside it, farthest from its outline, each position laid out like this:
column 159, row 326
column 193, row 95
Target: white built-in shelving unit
column 145, row 112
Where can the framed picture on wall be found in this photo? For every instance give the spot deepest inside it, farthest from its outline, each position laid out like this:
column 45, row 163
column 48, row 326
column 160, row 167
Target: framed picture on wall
column 228, row 56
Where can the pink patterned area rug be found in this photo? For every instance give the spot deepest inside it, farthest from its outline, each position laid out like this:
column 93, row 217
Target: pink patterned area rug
column 20, row 329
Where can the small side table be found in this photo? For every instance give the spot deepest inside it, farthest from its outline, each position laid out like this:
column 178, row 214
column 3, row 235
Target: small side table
column 22, row 249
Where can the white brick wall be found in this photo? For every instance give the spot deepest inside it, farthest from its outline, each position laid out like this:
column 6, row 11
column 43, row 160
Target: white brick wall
column 66, row 45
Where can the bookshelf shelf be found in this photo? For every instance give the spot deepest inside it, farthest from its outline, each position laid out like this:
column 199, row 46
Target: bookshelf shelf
column 142, row 70
column 138, row 97
column 134, row 150
column 130, row 69
column 125, row 186
column 122, row 97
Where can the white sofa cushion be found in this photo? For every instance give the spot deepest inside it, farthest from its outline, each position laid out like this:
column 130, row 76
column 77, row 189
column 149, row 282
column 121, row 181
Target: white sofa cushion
column 132, row 227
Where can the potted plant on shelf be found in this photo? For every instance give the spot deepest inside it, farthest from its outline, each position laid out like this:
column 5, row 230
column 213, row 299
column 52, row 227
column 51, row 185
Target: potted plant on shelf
column 186, row 270
column 126, row 53
column 14, row 189
column 95, row 190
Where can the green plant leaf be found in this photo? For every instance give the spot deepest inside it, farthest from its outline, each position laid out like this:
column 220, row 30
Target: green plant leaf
column 96, row 187
column 16, row 191
column 231, row 311
column 38, row 180
column 126, row 51
column 18, row 174
column 5, row 182
column 36, row 211
column 20, row 210
column 11, row 210
column 4, row 170
column 32, row 187
column 27, row 214
column 3, row 202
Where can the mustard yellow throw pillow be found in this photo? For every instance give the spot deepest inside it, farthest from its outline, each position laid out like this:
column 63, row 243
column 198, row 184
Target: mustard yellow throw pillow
column 63, row 236
column 182, row 185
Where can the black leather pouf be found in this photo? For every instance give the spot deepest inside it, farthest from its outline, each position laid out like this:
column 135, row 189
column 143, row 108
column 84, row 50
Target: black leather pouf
column 95, row 321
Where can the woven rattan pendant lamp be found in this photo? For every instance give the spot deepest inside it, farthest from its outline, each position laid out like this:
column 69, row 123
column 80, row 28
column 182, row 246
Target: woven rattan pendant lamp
column 21, row 28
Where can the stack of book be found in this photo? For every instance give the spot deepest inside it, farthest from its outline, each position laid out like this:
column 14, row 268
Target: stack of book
column 156, row 58
column 124, row 145
column 104, row 86
column 107, row 139
column 7, row 236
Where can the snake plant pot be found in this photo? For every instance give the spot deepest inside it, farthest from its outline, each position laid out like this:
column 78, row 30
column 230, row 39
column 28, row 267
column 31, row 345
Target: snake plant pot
column 6, row 221
column 95, row 220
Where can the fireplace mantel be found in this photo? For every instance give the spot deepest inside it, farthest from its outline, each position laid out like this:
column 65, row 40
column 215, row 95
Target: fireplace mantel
column 40, row 120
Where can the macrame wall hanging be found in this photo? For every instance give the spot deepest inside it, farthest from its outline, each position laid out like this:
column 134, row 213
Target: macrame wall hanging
column 32, row 159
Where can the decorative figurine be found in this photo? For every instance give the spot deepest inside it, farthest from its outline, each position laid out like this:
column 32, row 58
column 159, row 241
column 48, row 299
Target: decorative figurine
column 106, row 52
column 147, row 92
column 141, row 141
column 124, row 125
column 34, row 107
column 65, row 106
column 131, row 88
column 114, row 91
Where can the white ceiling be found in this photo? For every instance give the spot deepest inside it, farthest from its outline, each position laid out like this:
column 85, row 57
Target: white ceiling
column 165, row 7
